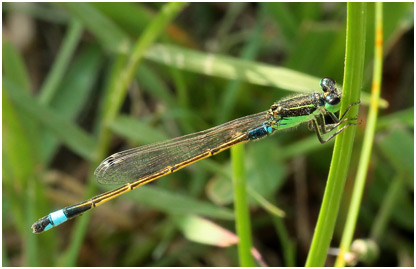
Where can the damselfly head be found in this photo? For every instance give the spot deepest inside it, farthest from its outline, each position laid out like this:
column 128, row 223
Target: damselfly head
column 332, row 94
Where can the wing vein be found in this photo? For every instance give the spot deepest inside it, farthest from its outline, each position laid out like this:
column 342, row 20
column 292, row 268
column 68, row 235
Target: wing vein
column 132, row 164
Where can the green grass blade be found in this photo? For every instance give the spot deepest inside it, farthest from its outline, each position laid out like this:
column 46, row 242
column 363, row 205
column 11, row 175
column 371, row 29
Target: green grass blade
column 71, row 40
column 19, row 162
column 19, row 159
column 149, row 36
column 395, row 190
column 365, row 156
column 405, row 116
column 173, row 203
column 397, row 148
column 13, row 66
column 15, row 70
column 237, row 69
column 75, row 138
column 152, row 83
column 109, row 34
column 285, row 18
column 288, row 244
column 229, row 98
column 72, row 94
column 32, row 250
column 231, row 68
column 242, row 214
column 134, row 17
column 353, row 74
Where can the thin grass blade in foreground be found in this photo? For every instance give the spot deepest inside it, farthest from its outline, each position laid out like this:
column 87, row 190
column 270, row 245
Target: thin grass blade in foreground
column 353, row 73
column 51, row 83
column 107, row 32
column 72, row 136
column 241, row 209
column 368, row 141
column 237, row 69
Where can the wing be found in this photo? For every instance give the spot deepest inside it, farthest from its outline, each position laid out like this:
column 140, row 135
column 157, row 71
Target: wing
column 133, row 164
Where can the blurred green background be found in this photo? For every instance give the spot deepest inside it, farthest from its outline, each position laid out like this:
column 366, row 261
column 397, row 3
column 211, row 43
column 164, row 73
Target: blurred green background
column 211, row 64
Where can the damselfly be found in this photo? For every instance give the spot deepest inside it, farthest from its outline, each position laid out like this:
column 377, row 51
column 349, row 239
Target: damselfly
column 138, row 166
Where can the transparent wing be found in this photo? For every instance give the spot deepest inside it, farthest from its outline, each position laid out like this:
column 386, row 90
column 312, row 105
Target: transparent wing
column 133, row 164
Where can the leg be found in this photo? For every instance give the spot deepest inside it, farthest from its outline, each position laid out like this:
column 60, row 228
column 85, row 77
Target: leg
column 333, row 126
column 326, row 128
column 335, row 119
column 320, row 121
column 318, row 133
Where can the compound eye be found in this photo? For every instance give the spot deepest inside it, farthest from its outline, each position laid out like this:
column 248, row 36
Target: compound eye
column 332, row 100
column 327, row 84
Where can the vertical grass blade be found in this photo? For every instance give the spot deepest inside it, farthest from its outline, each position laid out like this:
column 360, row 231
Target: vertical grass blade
column 395, row 190
column 353, row 73
column 242, row 216
column 365, row 156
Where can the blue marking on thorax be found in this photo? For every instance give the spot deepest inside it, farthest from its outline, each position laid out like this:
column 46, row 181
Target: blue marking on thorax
column 56, row 218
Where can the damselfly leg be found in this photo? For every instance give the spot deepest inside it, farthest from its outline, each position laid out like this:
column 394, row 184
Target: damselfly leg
column 321, row 127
